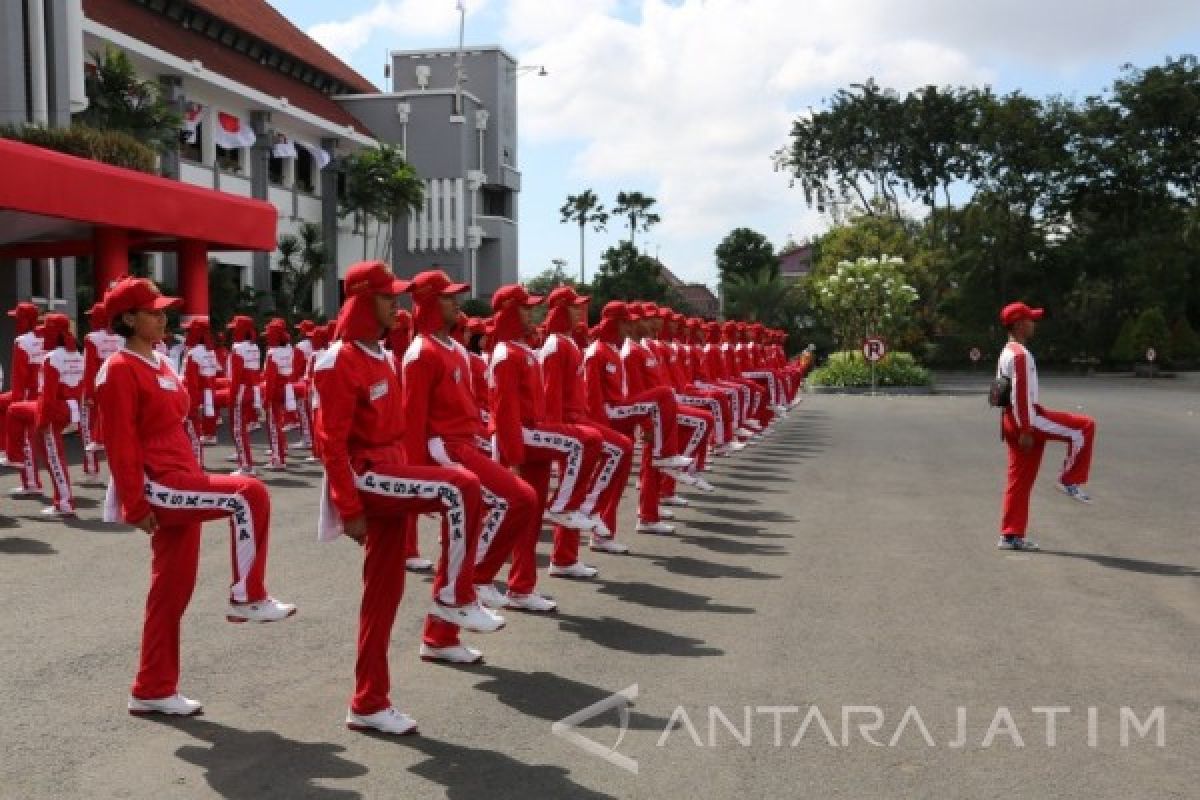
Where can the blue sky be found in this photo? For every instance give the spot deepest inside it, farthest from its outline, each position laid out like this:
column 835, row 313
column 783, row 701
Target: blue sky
column 686, row 100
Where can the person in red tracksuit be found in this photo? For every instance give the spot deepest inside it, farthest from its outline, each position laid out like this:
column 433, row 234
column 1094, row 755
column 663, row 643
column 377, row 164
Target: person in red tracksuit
column 525, row 439
column 397, row 341
column 199, row 376
column 98, row 345
column 19, row 403
column 566, row 401
column 612, row 401
column 60, row 381
column 304, row 355
column 701, row 374
column 1026, row 426
column 370, row 488
column 245, row 378
column 674, row 355
column 723, row 357
column 279, row 390
column 158, row 486
column 444, row 427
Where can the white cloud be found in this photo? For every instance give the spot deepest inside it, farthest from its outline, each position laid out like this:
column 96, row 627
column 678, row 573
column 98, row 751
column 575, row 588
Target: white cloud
column 409, row 18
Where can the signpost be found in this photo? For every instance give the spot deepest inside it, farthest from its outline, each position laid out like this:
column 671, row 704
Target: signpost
column 975, row 355
column 874, row 349
column 1151, row 357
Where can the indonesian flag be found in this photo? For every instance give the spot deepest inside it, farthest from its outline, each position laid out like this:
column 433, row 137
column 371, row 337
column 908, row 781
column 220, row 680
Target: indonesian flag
column 232, row 132
column 192, row 116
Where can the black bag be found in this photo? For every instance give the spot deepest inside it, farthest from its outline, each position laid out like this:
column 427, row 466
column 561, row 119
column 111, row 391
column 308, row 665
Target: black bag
column 1000, row 393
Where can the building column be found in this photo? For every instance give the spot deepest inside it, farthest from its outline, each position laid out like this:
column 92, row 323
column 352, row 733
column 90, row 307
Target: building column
column 193, row 279
column 112, row 257
column 260, row 165
column 330, row 297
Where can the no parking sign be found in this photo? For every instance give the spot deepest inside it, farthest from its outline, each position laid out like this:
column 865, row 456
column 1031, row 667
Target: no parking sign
column 874, row 348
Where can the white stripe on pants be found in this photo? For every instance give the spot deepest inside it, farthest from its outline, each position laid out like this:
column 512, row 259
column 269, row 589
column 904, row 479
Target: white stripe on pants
column 573, row 464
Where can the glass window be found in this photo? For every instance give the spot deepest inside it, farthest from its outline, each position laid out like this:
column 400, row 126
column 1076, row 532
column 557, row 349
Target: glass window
column 306, row 170
column 192, row 151
column 229, row 160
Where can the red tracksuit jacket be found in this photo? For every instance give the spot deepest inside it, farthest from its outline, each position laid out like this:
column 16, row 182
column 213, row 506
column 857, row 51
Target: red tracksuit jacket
column 605, row 379
column 27, row 358
column 438, row 397
column 566, row 383
column 61, row 388
column 280, row 374
column 245, row 369
column 97, row 347
column 516, row 397
column 200, row 377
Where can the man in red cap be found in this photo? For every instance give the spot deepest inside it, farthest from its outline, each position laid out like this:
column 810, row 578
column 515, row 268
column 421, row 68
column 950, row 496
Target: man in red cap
column 566, row 401
column 27, row 354
column 370, row 489
column 396, row 342
column 279, row 379
column 245, row 379
column 443, row 426
column 613, row 401
column 525, row 440
column 731, row 360
column 304, row 355
column 158, row 486
column 98, row 345
column 1026, row 427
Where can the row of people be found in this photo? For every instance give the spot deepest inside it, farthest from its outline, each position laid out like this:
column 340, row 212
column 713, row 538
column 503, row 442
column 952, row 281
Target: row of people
column 431, row 427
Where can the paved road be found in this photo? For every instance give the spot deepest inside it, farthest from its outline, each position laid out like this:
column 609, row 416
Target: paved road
column 848, row 563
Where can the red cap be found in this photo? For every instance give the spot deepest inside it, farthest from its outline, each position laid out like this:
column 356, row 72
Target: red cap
column 372, row 277
column 434, row 281
column 306, row 326
column 136, row 294
column 616, row 310
column 566, row 296
column 27, row 310
column 196, row 323
column 476, row 325
column 1015, row 312
column 512, row 295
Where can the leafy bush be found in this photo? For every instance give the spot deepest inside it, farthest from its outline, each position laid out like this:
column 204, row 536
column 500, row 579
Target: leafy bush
column 1151, row 330
column 110, row 147
column 850, row 369
column 1124, row 351
column 1185, row 344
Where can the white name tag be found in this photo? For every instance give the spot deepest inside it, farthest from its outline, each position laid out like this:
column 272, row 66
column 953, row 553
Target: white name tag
column 167, row 384
column 611, row 368
column 379, row 390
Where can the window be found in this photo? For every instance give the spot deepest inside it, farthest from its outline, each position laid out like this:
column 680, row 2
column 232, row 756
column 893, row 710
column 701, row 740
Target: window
column 193, row 151
column 496, row 203
column 306, row 170
column 275, row 171
column 229, row 160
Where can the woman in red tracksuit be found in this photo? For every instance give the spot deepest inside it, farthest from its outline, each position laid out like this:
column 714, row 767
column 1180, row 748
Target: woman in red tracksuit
column 523, row 436
column 566, row 401
column 21, row 402
column 199, row 376
column 279, row 391
column 158, row 486
column 98, row 345
column 443, row 426
column 304, row 356
column 60, row 387
column 245, row 390
column 369, row 489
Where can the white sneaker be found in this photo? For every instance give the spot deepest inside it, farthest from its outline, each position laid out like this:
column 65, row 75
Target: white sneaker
column 576, row 570
column 96, row 447
column 1075, row 492
column 387, row 721
column 489, row 596
column 311, row 459
column 664, row 513
column 722, row 450
column 17, row 491
column 208, row 440
column 459, row 654
column 249, row 472
column 607, row 544
column 675, row 500
column 599, row 528
column 471, row 616
column 673, row 462
column 55, row 512
column 703, row 485
column 176, row 704
column 654, row 527
column 570, row 519
column 266, row 610
column 754, row 425
column 735, row 446
column 686, row 478
column 532, row 602
column 418, row 564
column 1017, row 543
column 745, row 433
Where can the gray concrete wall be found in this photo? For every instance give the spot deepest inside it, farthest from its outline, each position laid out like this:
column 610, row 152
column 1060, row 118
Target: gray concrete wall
column 13, row 101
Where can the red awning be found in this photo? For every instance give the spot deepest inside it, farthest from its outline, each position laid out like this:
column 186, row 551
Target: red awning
column 39, row 186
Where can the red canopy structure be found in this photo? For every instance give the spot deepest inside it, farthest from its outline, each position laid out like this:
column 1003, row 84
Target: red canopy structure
column 54, row 205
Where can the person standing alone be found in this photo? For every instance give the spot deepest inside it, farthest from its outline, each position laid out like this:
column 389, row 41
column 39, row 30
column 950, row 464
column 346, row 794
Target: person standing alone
column 1026, row 426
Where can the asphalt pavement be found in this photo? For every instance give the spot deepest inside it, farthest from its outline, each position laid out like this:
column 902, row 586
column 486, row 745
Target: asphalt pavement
column 834, row 622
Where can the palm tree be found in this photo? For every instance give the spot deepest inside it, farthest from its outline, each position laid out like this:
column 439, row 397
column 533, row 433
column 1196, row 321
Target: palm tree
column 302, row 261
column 381, row 185
column 636, row 206
column 763, row 296
column 584, row 209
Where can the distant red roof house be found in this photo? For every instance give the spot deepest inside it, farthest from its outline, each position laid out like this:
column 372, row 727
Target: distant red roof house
column 796, row 261
column 247, row 41
column 699, row 297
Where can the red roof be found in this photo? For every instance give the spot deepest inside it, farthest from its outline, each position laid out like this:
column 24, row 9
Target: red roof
column 104, row 195
column 153, row 28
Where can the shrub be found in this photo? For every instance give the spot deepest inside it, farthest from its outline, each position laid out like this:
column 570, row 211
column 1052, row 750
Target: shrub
column 1124, row 351
column 1185, row 344
column 850, row 369
column 1151, row 330
column 110, row 147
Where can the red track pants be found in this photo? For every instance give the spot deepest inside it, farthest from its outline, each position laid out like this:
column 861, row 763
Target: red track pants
column 1076, row 430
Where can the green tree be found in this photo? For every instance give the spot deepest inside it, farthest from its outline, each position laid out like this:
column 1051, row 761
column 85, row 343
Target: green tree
column 380, row 186
column 118, row 100
column 865, row 297
column 1151, row 331
column 626, row 274
column 302, row 262
column 584, row 209
column 745, row 252
column 635, row 207
column 1185, row 343
column 548, row 279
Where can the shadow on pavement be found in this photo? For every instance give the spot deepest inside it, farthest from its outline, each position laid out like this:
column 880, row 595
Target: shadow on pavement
column 734, row 529
column 654, row 596
column 699, row 568
column 1131, row 564
column 262, row 764
column 726, row 486
column 619, row 634
column 732, row 547
column 470, row 773
column 744, row 516
column 20, row 546
column 551, row 697
column 97, row 526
